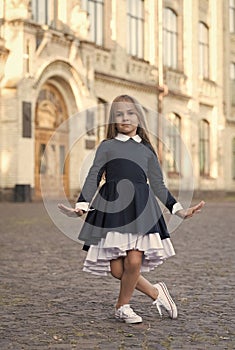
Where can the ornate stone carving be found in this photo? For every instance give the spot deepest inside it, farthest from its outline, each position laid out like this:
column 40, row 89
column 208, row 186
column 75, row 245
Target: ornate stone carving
column 79, row 22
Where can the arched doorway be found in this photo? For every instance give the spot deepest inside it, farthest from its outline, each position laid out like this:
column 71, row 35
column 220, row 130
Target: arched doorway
column 51, row 167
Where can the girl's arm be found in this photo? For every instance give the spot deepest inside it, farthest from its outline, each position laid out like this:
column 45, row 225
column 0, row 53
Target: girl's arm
column 93, row 178
column 158, row 186
column 161, row 191
column 90, row 186
column 71, row 212
column 188, row 213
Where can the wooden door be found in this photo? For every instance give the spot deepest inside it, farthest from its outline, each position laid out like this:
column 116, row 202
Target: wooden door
column 51, row 145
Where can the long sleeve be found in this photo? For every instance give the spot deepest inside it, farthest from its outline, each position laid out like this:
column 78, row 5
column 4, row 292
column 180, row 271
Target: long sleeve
column 157, row 184
column 94, row 175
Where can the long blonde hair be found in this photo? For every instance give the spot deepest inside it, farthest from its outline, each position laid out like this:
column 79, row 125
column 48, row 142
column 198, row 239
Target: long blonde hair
column 142, row 126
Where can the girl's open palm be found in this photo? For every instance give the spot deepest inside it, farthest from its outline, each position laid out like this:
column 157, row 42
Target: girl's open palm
column 71, row 212
column 188, row 213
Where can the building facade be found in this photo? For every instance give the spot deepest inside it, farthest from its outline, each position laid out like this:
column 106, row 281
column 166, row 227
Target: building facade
column 62, row 62
column 229, row 93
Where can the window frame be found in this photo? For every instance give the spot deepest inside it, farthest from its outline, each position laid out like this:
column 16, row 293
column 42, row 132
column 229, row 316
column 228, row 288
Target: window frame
column 203, row 50
column 174, row 143
column 204, row 148
column 170, row 38
column 232, row 82
column 45, row 12
column 232, row 16
column 135, row 27
column 96, row 31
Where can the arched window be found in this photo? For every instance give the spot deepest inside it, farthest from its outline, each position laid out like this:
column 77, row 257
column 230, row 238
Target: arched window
column 170, row 38
column 95, row 8
column 204, row 148
column 135, row 27
column 203, row 50
column 173, row 141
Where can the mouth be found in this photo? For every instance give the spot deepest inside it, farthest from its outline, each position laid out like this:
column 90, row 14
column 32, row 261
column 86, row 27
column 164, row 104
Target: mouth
column 125, row 124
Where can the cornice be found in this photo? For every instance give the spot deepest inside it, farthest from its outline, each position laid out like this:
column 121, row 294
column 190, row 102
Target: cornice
column 112, row 79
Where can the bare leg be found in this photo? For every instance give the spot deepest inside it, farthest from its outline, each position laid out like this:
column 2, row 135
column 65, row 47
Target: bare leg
column 146, row 287
column 143, row 285
column 131, row 273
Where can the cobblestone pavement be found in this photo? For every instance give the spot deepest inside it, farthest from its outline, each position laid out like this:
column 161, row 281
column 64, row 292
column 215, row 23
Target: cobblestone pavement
column 47, row 302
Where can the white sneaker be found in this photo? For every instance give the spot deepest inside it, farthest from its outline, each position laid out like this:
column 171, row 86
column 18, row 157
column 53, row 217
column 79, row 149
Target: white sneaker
column 164, row 300
column 126, row 314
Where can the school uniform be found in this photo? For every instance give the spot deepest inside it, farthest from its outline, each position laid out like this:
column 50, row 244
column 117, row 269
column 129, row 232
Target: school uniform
column 125, row 213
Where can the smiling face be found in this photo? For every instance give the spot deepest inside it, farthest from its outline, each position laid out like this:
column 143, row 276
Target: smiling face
column 126, row 118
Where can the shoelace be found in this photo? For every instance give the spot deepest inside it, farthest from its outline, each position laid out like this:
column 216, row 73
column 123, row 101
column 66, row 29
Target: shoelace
column 158, row 305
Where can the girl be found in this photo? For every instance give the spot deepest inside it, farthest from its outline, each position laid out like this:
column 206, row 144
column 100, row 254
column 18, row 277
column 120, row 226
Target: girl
column 124, row 230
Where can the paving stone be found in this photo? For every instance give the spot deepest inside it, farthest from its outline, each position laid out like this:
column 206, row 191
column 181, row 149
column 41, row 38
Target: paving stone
column 47, row 302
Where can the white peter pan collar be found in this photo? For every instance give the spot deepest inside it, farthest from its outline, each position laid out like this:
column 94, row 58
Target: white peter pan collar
column 124, row 138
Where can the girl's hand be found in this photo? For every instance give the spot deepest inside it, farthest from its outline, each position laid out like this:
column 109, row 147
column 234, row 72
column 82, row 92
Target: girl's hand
column 188, row 213
column 71, row 212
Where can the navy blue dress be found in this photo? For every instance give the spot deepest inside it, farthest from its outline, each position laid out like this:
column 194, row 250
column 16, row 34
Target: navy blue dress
column 126, row 202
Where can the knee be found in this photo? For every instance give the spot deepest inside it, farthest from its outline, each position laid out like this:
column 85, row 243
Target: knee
column 116, row 268
column 116, row 274
column 133, row 264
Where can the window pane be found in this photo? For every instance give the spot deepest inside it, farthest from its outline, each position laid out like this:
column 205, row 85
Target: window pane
column 44, row 11
column 91, row 10
column 232, row 83
column 95, row 9
column 232, row 16
column 173, row 154
column 174, row 51
column 135, row 25
column 99, row 18
column 204, row 148
column 170, row 38
column 133, row 37
column 232, row 71
column 140, row 40
column 203, row 50
column 41, row 12
column 129, row 6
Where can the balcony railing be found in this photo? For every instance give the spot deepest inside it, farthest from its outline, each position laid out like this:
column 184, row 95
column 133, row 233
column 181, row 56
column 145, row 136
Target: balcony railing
column 207, row 88
column 102, row 60
column 176, row 81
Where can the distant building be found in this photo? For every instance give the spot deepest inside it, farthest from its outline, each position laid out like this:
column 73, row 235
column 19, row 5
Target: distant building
column 227, row 152
column 64, row 60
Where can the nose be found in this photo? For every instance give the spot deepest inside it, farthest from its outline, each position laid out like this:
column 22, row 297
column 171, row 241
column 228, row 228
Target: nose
column 125, row 117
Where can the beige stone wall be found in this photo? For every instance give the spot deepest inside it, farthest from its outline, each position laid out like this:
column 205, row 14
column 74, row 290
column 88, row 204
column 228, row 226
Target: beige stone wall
column 32, row 54
column 228, row 132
